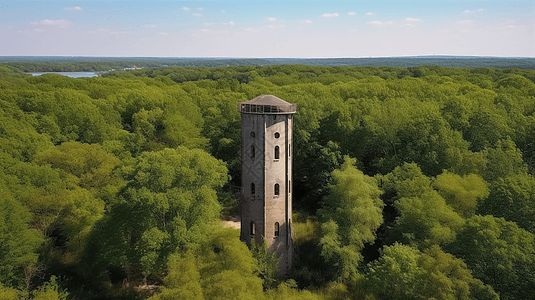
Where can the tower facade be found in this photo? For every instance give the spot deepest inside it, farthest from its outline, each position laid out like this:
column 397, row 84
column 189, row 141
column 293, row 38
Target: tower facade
column 266, row 135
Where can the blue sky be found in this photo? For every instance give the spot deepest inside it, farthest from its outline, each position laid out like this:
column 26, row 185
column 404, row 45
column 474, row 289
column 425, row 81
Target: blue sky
column 268, row 28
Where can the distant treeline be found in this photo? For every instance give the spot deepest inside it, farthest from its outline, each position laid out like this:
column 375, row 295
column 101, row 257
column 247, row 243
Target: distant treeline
column 84, row 64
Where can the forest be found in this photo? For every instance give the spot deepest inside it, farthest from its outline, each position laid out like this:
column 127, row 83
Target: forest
column 104, row 64
column 408, row 183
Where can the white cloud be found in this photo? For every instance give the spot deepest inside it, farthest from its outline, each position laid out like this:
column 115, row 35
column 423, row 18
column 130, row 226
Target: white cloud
column 200, row 8
column 411, row 22
column 164, row 33
column 38, row 30
column 466, row 12
column 185, row 8
column 73, row 8
column 481, row 9
column 330, row 15
column 197, row 15
column 229, row 23
column 272, row 19
column 380, row 23
column 47, row 22
column 369, row 14
column 306, row 21
column 351, row 13
column 465, row 22
column 250, row 30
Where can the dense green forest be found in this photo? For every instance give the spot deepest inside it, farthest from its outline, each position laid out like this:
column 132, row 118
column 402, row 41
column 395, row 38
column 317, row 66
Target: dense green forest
column 409, row 183
column 81, row 63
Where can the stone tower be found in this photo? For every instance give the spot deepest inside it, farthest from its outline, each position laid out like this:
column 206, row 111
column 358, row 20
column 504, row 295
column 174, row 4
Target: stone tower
column 266, row 134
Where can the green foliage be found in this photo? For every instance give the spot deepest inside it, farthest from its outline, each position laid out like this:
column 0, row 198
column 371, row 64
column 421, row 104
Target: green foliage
column 49, row 291
column 350, row 216
column 223, row 269
column 403, row 272
column 498, row 253
column 503, row 161
column 9, row 294
column 91, row 165
column 424, row 217
column 268, row 265
column 288, row 290
column 462, row 193
column 85, row 170
column 18, row 244
column 166, row 206
column 512, row 198
column 183, row 280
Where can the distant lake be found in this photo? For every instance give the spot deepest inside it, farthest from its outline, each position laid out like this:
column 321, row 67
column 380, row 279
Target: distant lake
column 68, row 74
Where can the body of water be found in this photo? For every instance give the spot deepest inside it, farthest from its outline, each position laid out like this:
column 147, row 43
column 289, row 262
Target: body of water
column 68, row 74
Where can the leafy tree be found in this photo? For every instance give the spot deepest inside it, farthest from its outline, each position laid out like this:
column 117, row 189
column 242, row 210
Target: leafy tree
column 498, row 253
column 462, row 193
column 267, row 263
column 167, row 206
column 50, row 291
column 504, row 160
column 223, row 269
column 183, row 280
column 18, row 244
column 403, row 272
column 91, row 165
column 288, row 290
column 351, row 214
column 424, row 217
column 512, row 198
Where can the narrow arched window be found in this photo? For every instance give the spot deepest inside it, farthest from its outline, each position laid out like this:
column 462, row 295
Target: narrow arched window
column 253, row 228
column 252, row 189
column 252, row 151
column 276, row 228
column 277, row 156
column 277, row 189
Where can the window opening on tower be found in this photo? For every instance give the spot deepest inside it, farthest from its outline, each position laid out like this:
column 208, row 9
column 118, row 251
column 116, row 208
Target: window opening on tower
column 253, row 228
column 276, row 228
column 252, row 151
column 277, row 189
column 252, row 189
column 277, row 155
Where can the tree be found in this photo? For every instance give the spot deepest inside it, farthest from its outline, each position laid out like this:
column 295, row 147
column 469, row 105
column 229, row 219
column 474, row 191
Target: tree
column 351, row 214
column 18, row 244
column 424, row 217
column 504, row 160
column 267, row 263
column 92, row 165
column 166, row 207
column 512, row 198
column 222, row 269
column 403, row 272
column 498, row 253
column 462, row 193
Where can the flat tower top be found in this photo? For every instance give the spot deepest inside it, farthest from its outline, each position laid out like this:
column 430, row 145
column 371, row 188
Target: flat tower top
column 267, row 104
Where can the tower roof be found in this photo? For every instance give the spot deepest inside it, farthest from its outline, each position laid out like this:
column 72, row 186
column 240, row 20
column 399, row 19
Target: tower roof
column 267, row 104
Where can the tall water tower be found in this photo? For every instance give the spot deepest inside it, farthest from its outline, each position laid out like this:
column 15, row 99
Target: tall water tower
column 266, row 134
